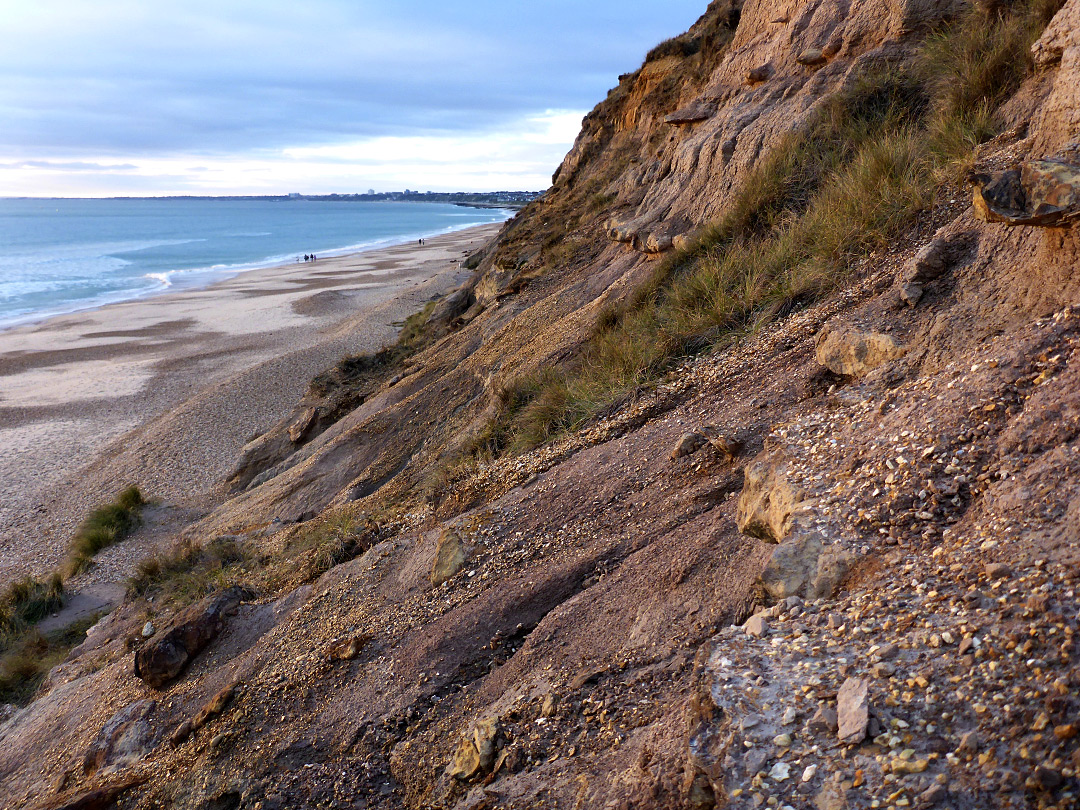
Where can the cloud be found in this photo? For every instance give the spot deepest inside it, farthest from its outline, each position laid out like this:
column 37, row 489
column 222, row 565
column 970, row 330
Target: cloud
column 70, row 166
column 123, row 80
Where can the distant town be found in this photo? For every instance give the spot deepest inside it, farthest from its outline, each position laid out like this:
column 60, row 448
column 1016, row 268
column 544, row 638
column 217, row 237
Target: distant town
column 488, row 199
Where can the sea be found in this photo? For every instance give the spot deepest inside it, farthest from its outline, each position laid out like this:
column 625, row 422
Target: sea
column 65, row 255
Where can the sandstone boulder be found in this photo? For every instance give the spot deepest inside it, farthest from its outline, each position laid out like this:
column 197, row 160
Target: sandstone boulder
column 688, row 444
column 451, row 552
column 769, row 501
column 811, row 57
column 161, row 659
column 853, row 352
column 1040, row 192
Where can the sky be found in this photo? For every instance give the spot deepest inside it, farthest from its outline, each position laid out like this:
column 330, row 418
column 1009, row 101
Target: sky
column 133, row 97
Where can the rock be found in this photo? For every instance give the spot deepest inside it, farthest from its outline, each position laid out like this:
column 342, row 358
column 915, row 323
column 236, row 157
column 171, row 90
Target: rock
column 831, row 797
column 887, row 652
column 688, row 444
column 804, row 566
column 347, row 649
column 756, row 626
column 1045, row 778
column 726, row 446
column 782, row 740
column 148, row 630
column 161, row 659
column 761, row 73
column 550, row 705
column 780, row 772
column 1043, row 192
column 215, row 706
column 1066, row 731
column 790, row 716
column 997, row 570
column 7, row 711
column 853, row 710
column 853, row 352
column 969, row 742
column 911, row 293
column 932, row 795
column 450, row 556
column 299, row 429
column 769, row 501
column 824, row 721
column 101, row 798
column 476, row 752
column 883, row 669
column 935, row 258
column 181, row 733
column 125, row 739
column 691, row 114
column 811, row 57
column 658, row 243
column 809, row 772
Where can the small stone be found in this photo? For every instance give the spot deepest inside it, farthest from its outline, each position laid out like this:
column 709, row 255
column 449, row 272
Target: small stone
column 997, row 570
column 551, row 704
column 883, row 669
column 688, row 444
column 809, row 772
column 1065, row 732
column 853, row 710
column 932, row 795
column 782, row 740
column 1046, row 778
column 887, row 652
column 824, row 721
column 789, row 716
column 969, row 742
column 811, row 57
column 780, row 772
column 148, row 630
column 966, row 643
column 756, row 626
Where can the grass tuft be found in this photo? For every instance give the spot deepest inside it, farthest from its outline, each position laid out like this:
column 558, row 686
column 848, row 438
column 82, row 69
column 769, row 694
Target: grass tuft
column 873, row 159
column 105, row 526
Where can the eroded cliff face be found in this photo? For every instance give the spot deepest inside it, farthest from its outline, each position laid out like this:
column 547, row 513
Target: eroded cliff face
column 888, row 480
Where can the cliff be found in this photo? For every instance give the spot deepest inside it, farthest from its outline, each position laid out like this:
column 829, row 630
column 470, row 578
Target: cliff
column 742, row 472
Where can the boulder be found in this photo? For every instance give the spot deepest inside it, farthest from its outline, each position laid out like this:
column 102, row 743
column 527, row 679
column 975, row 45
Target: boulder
column 804, row 566
column 450, row 556
column 1043, row 192
column 853, row 352
column 161, row 659
column 124, row 740
column 769, row 501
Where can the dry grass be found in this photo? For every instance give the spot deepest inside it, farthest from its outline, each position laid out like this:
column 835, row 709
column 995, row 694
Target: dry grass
column 105, row 526
column 872, row 161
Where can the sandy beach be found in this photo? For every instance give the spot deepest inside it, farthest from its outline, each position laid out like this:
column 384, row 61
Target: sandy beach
column 163, row 392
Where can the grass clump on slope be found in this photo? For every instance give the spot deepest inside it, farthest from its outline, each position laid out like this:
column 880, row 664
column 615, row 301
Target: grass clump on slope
column 873, row 158
column 105, row 526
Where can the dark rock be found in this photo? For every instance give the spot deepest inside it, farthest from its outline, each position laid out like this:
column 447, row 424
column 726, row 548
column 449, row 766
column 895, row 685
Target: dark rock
column 1040, row 192
column 1046, row 778
column 125, row 739
column 162, row 659
column 759, row 74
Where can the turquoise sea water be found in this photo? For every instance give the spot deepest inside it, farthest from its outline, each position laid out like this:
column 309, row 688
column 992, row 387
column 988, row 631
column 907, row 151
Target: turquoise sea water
column 65, row 255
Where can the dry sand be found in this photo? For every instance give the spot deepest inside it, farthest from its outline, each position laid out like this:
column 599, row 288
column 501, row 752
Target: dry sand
column 163, row 392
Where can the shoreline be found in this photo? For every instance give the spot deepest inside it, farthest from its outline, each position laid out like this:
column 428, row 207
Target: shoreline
column 209, row 276
column 164, row 391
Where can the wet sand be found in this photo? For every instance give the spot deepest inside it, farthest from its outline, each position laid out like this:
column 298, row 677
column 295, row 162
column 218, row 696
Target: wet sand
column 164, row 391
